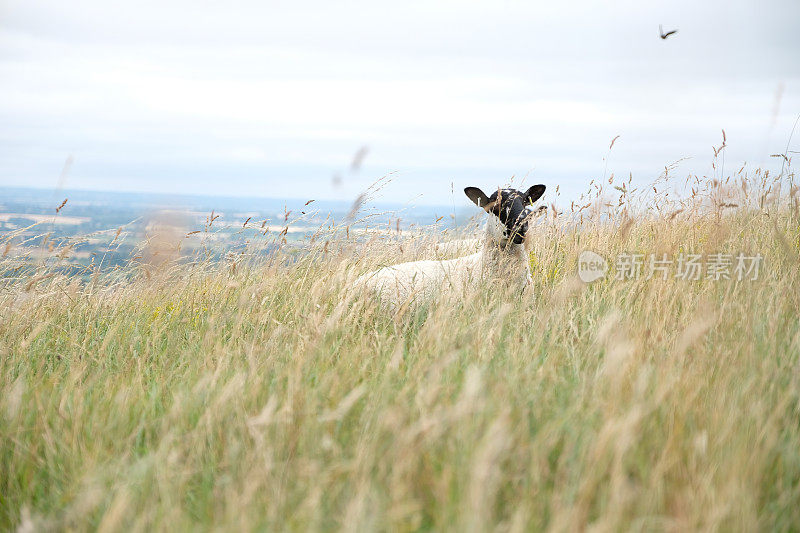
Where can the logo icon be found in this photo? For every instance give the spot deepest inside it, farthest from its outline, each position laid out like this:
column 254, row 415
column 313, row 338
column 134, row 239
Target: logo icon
column 591, row 266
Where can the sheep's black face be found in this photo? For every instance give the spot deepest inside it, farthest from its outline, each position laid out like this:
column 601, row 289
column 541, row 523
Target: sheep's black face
column 509, row 206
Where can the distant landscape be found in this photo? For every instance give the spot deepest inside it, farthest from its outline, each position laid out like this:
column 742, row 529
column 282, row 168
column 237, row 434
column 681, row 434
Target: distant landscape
column 102, row 230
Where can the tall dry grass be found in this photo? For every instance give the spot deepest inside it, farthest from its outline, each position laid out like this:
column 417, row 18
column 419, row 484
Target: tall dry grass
column 243, row 394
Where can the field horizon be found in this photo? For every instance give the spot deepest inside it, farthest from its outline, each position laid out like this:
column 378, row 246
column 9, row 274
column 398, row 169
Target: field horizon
column 259, row 392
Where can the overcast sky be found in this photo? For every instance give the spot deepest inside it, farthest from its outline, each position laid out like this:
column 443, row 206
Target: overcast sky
column 275, row 98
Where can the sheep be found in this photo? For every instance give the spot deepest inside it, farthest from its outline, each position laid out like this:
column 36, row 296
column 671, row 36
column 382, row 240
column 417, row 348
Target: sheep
column 503, row 257
column 456, row 248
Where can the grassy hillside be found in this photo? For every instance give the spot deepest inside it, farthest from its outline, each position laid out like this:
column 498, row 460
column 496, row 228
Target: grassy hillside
column 256, row 395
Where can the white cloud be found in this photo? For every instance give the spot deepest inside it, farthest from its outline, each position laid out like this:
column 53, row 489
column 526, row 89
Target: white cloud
column 165, row 97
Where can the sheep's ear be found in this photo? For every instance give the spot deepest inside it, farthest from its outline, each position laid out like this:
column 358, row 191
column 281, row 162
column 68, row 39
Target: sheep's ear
column 534, row 193
column 477, row 196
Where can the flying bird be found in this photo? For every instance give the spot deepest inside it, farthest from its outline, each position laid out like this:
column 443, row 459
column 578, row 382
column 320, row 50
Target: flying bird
column 665, row 35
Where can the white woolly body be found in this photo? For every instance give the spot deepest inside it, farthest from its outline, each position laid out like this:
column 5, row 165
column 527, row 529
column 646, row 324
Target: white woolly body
column 459, row 247
column 418, row 280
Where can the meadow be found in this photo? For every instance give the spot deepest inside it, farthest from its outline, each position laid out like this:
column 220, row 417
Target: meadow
column 258, row 393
